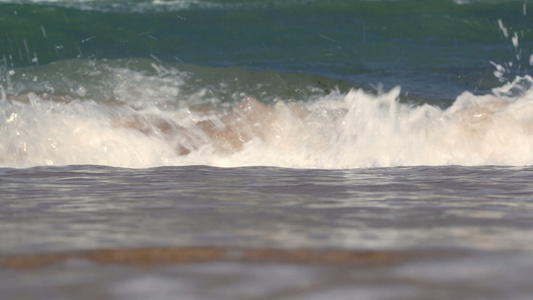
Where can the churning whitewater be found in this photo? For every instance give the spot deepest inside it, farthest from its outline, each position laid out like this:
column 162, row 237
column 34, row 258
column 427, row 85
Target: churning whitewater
column 139, row 113
column 147, row 124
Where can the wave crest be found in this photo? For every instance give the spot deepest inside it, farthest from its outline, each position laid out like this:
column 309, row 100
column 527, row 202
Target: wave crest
column 350, row 130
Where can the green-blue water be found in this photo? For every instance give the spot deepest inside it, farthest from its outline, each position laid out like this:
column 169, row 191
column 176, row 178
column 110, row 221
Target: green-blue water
column 433, row 49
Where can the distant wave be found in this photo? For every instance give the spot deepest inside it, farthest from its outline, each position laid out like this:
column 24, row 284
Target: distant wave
column 122, row 6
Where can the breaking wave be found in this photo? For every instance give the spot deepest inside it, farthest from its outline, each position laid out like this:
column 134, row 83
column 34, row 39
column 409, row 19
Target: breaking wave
column 143, row 120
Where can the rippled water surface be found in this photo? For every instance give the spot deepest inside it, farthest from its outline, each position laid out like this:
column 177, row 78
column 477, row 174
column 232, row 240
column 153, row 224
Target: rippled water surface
column 480, row 216
column 66, row 208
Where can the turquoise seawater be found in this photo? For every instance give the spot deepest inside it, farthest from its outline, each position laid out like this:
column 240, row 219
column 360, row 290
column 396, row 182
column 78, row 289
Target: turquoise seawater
column 434, row 50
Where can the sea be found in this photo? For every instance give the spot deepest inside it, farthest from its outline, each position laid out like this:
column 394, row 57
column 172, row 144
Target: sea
column 402, row 128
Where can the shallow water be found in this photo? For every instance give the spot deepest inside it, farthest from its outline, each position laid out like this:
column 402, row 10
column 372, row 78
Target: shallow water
column 479, row 277
column 481, row 240
column 76, row 208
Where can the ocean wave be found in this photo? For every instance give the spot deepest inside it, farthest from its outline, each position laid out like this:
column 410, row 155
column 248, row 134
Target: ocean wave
column 150, row 119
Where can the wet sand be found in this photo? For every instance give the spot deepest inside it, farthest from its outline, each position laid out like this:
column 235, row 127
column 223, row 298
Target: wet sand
column 148, row 257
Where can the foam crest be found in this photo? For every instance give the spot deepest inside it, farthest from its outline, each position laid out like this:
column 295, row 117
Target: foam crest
column 41, row 131
column 352, row 130
column 363, row 130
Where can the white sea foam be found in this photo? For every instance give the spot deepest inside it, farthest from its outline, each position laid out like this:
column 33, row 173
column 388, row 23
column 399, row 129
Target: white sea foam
column 129, row 6
column 352, row 130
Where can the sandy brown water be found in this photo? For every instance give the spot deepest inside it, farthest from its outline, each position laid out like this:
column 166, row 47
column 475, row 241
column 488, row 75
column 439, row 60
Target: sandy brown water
column 86, row 232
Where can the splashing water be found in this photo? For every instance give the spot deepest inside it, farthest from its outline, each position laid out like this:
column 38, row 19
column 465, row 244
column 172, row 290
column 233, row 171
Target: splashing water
column 123, row 116
column 337, row 130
